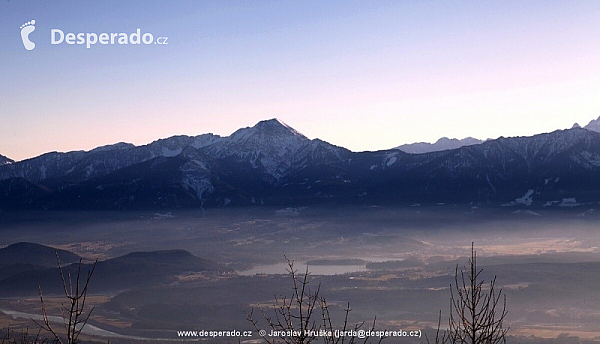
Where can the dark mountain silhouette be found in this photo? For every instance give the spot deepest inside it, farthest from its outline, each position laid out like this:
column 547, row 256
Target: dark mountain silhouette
column 35, row 254
column 134, row 270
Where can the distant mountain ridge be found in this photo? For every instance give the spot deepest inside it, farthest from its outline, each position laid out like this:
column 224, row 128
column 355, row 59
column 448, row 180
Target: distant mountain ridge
column 440, row 145
column 445, row 143
column 593, row 125
column 273, row 164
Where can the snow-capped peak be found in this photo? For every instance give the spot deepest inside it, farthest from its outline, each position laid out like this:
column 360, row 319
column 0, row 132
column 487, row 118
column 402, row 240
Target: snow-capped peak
column 276, row 121
column 271, row 127
column 271, row 144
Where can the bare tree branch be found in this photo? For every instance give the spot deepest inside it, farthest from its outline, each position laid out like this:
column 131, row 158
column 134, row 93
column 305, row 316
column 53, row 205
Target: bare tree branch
column 295, row 317
column 476, row 315
column 73, row 312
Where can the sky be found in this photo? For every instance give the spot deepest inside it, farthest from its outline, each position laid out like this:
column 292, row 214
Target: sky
column 365, row 75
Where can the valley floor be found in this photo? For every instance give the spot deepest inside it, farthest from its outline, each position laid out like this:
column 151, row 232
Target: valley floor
column 401, row 264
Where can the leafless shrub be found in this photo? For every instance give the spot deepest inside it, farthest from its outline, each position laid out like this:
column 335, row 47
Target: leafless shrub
column 477, row 311
column 305, row 317
column 73, row 312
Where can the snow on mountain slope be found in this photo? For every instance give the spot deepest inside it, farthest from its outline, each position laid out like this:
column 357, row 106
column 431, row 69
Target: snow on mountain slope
column 5, row 161
column 196, row 172
column 543, row 147
column 174, row 145
column 48, row 165
column 119, row 145
column 271, row 146
column 273, row 163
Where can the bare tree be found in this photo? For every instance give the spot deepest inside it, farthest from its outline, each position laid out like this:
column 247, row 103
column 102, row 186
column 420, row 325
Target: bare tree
column 441, row 337
column 73, row 313
column 477, row 311
column 329, row 330
column 297, row 320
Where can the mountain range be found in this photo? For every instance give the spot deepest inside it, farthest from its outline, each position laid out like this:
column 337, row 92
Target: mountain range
column 440, row 145
column 445, row 143
column 273, row 164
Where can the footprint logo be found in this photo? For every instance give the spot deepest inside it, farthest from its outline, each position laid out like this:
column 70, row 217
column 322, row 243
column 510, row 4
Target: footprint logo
column 26, row 29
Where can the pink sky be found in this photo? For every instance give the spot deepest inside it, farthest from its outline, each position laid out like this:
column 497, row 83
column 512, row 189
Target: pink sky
column 363, row 76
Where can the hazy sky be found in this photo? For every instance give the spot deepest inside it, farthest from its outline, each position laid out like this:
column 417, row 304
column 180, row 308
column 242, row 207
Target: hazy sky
column 363, row 75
